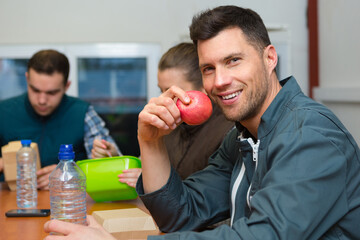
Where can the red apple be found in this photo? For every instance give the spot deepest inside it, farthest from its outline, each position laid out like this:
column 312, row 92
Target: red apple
column 198, row 110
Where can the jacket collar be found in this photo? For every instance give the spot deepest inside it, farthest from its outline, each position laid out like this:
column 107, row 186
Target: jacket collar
column 271, row 116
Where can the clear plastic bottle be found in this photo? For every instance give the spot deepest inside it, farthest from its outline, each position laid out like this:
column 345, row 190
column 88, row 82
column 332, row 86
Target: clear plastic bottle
column 26, row 181
column 68, row 189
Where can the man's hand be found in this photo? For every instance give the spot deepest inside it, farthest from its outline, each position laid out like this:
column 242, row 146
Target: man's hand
column 161, row 115
column 102, row 148
column 130, row 176
column 1, row 165
column 93, row 231
column 43, row 177
column 158, row 118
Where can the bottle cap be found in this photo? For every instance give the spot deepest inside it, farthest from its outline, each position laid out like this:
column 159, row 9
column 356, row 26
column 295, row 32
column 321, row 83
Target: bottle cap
column 66, row 152
column 25, row 142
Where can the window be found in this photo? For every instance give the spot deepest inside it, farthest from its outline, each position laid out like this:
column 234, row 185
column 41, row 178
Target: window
column 116, row 78
column 12, row 77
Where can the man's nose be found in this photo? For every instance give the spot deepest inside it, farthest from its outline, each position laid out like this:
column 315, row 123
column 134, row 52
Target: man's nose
column 42, row 98
column 222, row 78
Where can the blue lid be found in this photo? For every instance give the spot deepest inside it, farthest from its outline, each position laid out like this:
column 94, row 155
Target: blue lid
column 66, row 152
column 25, row 142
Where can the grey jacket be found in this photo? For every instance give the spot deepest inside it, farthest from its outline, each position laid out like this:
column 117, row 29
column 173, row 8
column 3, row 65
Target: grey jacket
column 299, row 180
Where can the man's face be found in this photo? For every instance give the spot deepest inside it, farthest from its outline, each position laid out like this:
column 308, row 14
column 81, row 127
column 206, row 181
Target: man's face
column 45, row 91
column 173, row 76
column 234, row 74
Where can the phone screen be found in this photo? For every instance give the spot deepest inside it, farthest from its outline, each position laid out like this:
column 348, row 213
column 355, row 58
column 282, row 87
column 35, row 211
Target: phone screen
column 28, row 213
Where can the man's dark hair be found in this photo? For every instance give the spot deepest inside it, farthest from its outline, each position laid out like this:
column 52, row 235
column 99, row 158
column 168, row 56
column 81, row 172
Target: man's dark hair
column 50, row 61
column 209, row 23
column 183, row 56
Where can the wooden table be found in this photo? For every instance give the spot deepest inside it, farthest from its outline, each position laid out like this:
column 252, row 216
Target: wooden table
column 18, row 228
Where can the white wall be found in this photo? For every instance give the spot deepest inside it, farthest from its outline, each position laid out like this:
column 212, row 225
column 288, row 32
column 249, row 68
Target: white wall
column 158, row 21
column 339, row 49
column 166, row 22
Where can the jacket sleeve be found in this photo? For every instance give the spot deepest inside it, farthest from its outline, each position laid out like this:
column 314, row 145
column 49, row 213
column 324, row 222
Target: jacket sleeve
column 200, row 200
column 302, row 196
column 303, row 193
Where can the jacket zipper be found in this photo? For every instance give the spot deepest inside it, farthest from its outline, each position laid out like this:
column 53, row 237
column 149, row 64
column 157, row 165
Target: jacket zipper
column 234, row 191
column 239, row 178
column 255, row 148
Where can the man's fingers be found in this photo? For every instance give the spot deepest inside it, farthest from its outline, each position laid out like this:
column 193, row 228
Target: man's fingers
column 98, row 143
column 1, row 165
column 101, row 143
column 129, row 181
column 43, row 178
column 164, row 103
column 176, row 92
column 132, row 174
column 42, row 184
column 98, row 153
column 46, row 170
column 160, row 116
column 106, row 144
column 60, row 227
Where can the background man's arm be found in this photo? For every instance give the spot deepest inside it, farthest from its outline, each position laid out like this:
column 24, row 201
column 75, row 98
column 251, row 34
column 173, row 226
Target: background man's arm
column 94, row 129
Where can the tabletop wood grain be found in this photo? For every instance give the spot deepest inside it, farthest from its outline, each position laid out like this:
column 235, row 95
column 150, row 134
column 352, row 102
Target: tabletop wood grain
column 31, row 228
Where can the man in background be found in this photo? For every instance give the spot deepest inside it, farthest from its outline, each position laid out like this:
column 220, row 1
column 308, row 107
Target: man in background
column 49, row 117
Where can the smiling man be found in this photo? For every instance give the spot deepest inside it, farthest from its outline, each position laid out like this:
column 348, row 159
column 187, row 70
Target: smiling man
column 47, row 116
column 290, row 170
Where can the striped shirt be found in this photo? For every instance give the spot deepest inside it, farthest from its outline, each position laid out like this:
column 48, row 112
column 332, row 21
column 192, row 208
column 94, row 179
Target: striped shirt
column 95, row 128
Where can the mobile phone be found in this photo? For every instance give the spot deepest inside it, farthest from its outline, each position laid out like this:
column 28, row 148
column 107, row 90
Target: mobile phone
column 28, row 213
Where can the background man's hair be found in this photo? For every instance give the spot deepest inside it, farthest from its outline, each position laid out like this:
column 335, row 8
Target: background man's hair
column 50, row 61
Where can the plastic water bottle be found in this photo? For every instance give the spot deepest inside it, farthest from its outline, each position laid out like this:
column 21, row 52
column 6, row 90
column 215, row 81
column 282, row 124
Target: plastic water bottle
column 67, row 185
column 26, row 180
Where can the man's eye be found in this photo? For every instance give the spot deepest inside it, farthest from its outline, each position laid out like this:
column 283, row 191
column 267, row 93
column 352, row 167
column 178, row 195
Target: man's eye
column 234, row 60
column 207, row 70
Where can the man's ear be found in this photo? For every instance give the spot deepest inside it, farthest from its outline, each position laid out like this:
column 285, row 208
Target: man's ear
column 67, row 85
column 27, row 76
column 271, row 58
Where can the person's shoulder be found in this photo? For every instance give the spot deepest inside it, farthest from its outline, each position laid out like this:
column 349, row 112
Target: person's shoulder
column 308, row 108
column 315, row 117
column 13, row 100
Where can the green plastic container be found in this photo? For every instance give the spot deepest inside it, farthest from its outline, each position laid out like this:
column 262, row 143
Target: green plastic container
column 102, row 182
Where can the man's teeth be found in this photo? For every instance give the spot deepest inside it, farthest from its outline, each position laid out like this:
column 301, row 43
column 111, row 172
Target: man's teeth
column 230, row 96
